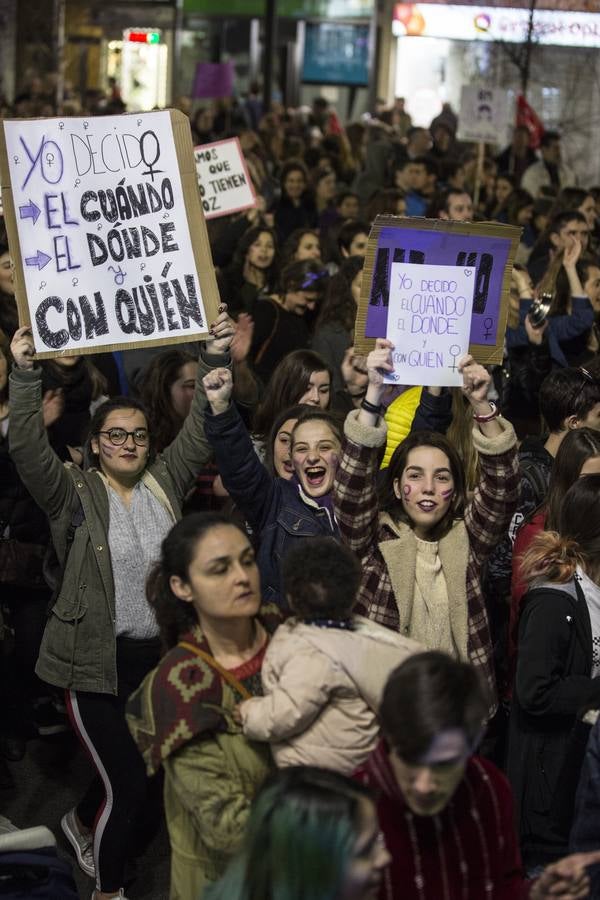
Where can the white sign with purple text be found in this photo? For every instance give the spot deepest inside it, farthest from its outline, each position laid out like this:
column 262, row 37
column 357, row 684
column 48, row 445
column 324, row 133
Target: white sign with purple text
column 104, row 238
column 429, row 322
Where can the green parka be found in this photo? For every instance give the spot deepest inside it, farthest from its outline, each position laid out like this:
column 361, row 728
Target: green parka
column 78, row 650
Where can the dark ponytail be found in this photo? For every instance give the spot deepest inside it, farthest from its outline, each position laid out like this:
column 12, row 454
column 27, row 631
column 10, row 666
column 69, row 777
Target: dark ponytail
column 175, row 616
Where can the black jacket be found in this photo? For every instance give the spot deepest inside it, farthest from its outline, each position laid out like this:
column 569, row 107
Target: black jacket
column 552, row 687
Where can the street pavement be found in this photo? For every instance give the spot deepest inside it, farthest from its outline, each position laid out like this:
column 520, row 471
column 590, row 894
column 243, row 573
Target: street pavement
column 49, row 781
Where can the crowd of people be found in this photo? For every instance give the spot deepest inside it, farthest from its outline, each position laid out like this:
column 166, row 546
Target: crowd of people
column 346, row 635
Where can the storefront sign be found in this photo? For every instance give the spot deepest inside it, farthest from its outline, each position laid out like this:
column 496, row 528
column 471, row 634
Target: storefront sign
column 436, row 288
column 326, row 9
column 489, row 23
column 106, row 232
column 225, row 184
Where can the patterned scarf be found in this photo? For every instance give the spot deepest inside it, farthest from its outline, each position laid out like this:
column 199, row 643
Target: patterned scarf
column 182, row 698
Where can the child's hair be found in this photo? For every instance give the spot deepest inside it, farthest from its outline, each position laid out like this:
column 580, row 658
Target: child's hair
column 555, row 555
column 321, row 579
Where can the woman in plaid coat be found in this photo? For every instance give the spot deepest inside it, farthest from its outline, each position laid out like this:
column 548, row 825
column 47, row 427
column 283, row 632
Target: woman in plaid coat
column 422, row 544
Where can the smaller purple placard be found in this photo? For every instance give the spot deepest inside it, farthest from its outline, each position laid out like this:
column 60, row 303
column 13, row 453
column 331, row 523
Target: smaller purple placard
column 213, row 80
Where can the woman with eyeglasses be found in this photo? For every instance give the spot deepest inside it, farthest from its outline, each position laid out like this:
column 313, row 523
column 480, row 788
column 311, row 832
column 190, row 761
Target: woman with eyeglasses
column 107, row 521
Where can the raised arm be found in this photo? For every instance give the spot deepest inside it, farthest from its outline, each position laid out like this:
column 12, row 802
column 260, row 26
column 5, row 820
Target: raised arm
column 190, row 450
column 496, row 496
column 244, row 477
column 355, row 486
column 40, row 469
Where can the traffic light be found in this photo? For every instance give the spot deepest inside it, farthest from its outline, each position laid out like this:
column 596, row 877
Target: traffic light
column 143, row 37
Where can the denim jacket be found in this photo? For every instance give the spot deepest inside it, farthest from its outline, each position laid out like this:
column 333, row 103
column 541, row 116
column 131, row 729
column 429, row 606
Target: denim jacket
column 278, row 511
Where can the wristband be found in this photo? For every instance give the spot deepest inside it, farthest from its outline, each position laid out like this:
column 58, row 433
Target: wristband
column 371, row 408
column 491, row 415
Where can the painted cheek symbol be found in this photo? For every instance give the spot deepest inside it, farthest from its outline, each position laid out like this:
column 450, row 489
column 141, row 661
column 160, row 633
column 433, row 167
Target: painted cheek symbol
column 447, row 494
column 406, row 491
column 106, row 447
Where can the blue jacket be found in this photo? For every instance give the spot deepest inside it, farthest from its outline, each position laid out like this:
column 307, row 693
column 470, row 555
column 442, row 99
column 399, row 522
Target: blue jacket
column 567, row 335
column 277, row 510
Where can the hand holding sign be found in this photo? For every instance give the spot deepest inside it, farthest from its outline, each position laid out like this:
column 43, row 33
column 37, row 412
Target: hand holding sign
column 22, row 348
column 476, row 381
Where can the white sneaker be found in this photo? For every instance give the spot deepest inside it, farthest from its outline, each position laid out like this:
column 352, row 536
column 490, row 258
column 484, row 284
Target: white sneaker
column 81, row 843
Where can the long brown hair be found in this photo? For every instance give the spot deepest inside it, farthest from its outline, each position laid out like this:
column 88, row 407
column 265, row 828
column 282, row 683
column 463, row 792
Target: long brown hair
column 287, row 384
column 576, row 448
column 160, row 375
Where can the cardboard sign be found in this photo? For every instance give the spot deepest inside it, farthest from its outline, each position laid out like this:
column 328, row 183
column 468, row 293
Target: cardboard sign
column 213, row 80
column 486, row 115
column 431, row 323
column 437, row 257
column 225, row 183
column 106, row 232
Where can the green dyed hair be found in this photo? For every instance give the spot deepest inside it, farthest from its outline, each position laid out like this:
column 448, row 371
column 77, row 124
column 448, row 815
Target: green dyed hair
column 299, row 839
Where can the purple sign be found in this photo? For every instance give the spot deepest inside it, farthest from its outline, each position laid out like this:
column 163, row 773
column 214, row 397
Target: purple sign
column 487, row 254
column 213, row 80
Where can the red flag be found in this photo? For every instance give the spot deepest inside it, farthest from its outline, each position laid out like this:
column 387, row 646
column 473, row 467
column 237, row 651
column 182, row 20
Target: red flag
column 527, row 116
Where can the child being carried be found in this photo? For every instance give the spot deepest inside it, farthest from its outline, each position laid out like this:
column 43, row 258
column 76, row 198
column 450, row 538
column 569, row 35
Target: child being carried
column 325, row 669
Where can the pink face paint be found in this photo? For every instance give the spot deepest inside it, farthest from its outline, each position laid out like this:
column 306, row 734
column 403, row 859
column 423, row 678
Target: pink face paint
column 447, row 494
column 406, row 491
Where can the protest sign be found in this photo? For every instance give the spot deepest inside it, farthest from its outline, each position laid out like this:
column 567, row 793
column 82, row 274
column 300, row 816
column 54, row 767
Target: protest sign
column 106, row 232
column 486, row 114
column 212, row 80
column 459, row 273
column 225, row 184
column 431, row 322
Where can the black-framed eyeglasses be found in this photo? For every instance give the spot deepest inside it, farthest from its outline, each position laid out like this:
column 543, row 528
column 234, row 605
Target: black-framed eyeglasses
column 118, row 436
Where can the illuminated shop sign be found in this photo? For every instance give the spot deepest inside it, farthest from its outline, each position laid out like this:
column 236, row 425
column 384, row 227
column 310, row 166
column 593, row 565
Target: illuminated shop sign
column 488, row 23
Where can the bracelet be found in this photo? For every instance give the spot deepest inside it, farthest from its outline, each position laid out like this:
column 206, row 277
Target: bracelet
column 492, row 415
column 371, row 408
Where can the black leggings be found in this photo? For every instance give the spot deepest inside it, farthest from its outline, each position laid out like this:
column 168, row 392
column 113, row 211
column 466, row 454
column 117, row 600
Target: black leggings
column 112, row 803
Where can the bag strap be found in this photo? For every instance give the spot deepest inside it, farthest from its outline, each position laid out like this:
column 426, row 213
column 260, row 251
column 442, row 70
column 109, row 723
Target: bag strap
column 268, row 340
column 224, row 673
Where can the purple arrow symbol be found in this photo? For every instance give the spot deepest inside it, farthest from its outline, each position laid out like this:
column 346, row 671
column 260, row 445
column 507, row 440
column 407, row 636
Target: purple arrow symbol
column 30, row 211
column 40, row 260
